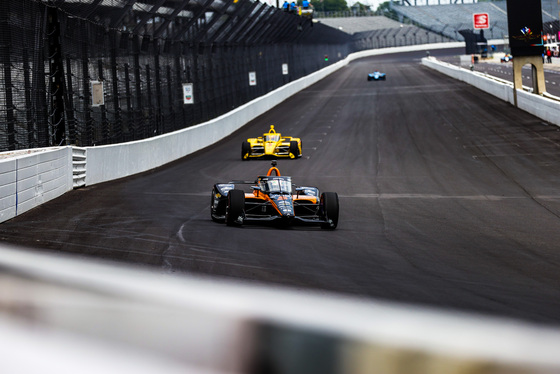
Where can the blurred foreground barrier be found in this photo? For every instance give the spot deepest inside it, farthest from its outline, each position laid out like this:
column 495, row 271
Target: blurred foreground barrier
column 60, row 315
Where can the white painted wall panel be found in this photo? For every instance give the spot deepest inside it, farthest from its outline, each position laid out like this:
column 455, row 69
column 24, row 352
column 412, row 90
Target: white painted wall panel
column 30, row 179
column 7, row 165
column 7, row 189
column 542, row 107
column 8, row 206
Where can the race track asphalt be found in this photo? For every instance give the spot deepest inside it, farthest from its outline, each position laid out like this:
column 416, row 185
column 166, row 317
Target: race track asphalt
column 448, row 198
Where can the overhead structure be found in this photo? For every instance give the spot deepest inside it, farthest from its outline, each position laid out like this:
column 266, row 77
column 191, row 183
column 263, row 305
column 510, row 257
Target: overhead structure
column 526, row 43
column 212, row 21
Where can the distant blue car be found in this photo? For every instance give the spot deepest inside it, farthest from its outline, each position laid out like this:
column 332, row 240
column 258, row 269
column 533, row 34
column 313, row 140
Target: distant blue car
column 376, row 76
column 506, row 58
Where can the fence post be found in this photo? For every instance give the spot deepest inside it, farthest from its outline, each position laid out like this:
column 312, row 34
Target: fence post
column 56, row 74
column 5, row 53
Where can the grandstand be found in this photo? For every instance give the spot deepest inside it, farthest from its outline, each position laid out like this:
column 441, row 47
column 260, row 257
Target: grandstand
column 352, row 25
column 419, row 22
column 381, row 32
column 448, row 19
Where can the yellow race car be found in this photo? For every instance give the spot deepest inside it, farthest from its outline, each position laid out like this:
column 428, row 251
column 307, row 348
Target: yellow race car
column 272, row 144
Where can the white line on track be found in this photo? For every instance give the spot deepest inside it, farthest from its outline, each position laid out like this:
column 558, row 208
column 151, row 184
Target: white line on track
column 389, row 196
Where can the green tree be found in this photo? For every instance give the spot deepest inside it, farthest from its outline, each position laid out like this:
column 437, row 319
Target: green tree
column 384, row 9
column 362, row 8
column 330, row 5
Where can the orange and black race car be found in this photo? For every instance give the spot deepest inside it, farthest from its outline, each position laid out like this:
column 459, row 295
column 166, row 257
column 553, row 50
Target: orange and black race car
column 273, row 198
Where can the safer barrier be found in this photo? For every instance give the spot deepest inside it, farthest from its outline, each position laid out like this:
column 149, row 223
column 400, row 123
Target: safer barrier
column 64, row 315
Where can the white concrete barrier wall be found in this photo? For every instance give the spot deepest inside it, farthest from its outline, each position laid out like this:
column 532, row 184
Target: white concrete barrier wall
column 32, row 177
column 501, row 90
column 544, row 107
column 7, row 189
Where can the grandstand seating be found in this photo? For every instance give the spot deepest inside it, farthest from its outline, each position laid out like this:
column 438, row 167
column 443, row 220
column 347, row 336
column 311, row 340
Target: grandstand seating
column 380, row 32
column 353, row 25
column 433, row 23
column 448, row 19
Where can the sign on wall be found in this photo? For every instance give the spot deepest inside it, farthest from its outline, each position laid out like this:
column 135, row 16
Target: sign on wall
column 252, row 78
column 188, row 97
column 97, row 93
column 481, row 21
column 285, row 69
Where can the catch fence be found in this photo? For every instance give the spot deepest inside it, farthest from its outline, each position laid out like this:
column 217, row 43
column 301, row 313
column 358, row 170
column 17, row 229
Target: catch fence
column 93, row 72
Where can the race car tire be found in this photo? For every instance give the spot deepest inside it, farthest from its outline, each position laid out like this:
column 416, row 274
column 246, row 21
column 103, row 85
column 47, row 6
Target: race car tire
column 294, row 148
column 245, row 149
column 329, row 203
column 212, row 211
column 235, row 207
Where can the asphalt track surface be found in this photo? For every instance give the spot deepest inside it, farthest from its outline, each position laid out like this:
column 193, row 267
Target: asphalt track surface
column 448, row 196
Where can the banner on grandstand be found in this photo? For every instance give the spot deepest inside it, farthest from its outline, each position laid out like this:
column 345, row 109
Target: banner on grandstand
column 525, row 27
column 481, row 21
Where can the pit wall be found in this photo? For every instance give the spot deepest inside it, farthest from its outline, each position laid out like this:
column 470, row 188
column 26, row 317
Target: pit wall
column 64, row 314
column 545, row 107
